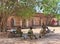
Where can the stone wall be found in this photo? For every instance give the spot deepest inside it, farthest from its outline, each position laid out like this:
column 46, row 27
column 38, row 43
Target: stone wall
column 36, row 20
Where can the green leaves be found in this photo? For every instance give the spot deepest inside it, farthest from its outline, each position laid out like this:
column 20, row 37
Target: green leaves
column 49, row 6
column 25, row 12
column 25, row 9
column 57, row 16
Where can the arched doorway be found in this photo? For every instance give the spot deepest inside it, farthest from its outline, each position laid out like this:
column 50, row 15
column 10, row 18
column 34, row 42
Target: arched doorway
column 24, row 23
column 12, row 22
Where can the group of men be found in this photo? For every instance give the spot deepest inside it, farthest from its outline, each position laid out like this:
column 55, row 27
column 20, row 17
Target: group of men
column 30, row 33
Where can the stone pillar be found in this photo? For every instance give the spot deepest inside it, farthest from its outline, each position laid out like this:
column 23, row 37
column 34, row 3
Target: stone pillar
column 59, row 22
column 33, row 21
column 27, row 23
column 21, row 23
column 14, row 22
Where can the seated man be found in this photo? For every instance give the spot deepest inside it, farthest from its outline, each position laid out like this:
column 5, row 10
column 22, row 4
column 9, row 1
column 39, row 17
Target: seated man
column 30, row 33
column 18, row 31
column 42, row 31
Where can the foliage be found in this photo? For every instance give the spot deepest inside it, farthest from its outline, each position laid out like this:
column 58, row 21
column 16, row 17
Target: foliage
column 23, row 8
column 57, row 16
column 49, row 6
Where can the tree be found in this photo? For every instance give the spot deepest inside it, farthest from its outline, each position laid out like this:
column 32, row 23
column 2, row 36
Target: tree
column 22, row 8
column 50, row 7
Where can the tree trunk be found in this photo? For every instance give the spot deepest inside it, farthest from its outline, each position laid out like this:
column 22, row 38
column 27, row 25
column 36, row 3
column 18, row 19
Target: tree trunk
column 4, row 21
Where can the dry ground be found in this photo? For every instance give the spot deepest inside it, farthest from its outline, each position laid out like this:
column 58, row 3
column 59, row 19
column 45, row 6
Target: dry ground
column 52, row 38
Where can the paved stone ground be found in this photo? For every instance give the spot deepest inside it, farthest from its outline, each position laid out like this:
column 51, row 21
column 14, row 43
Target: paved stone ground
column 52, row 38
